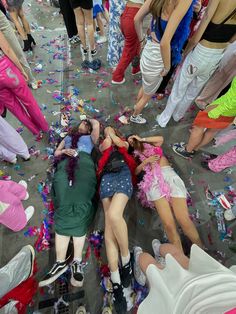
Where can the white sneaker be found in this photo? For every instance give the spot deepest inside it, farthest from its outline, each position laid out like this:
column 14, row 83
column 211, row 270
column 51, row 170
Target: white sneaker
column 156, row 249
column 118, row 83
column 13, row 161
column 24, row 183
column 29, row 211
column 34, row 85
column 81, row 310
column 138, row 274
column 138, row 119
column 102, row 40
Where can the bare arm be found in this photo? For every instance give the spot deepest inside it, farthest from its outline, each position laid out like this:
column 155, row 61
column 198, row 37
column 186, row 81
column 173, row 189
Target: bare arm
column 207, row 17
column 61, row 150
column 139, row 17
column 6, row 48
column 117, row 141
column 105, row 144
column 173, row 22
column 96, row 130
column 155, row 140
column 151, row 160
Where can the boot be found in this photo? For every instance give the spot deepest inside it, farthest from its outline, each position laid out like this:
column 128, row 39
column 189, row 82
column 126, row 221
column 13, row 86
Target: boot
column 27, row 45
column 31, row 39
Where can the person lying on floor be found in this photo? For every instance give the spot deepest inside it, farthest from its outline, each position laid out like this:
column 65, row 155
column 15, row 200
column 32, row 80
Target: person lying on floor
column 183, row 285
column 161, row 188
column 73, row 190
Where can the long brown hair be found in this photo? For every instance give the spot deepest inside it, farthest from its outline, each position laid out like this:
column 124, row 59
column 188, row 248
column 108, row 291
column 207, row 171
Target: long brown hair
column 156, row 7
column 138, row 145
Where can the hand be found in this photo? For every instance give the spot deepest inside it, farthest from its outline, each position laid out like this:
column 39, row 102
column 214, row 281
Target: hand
column 164, row 72
column 197, row 6
column 136, row 137
column 25, row 76
column 152, row 159
column 69, row 152
column 210, row 107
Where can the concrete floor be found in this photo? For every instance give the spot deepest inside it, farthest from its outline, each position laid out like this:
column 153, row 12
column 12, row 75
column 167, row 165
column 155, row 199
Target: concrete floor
column 143, row 224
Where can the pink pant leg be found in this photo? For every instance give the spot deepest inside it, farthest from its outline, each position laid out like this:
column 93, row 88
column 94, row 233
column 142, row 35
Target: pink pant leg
column 14, row 188
column 223, row 161
column 15, row 107
column 12, row 79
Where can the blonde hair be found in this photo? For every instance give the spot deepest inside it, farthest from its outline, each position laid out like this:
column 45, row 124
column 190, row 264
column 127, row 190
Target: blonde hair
column 156, row 8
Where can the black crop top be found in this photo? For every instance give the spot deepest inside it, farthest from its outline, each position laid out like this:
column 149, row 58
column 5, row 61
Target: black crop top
column 220, row 33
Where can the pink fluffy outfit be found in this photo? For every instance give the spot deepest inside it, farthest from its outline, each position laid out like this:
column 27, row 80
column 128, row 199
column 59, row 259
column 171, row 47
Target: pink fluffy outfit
column 152, row 172
column 12, row 213
column 223, row 161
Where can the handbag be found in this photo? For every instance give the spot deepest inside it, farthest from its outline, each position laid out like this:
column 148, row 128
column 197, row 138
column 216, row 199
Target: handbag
column 115, row 163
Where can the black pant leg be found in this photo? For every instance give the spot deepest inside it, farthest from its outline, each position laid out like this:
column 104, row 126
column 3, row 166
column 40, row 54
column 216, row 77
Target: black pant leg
column 165, row 81
column 69, row 17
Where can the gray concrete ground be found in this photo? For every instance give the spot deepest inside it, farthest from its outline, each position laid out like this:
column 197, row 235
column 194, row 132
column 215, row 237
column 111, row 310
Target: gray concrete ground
column 143, row 224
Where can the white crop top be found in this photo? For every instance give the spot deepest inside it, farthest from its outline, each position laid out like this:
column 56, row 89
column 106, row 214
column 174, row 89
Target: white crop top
column 137, row 1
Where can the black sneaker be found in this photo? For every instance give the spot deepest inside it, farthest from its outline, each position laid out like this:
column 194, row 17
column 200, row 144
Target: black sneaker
column 56, row 271
column 77, row 274
column 204, row 165
column 93, row 52
column 180, row 149
column 119, row 300
column 126, row 274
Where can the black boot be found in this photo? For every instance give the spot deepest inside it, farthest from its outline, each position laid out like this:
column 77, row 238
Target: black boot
column 27, row 45
column 31, row 39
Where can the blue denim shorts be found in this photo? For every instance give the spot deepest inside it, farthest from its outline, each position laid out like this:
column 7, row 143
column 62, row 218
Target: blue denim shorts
column 116, row 182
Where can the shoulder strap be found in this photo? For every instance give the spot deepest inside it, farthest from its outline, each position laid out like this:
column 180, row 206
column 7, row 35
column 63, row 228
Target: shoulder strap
column 229, row 16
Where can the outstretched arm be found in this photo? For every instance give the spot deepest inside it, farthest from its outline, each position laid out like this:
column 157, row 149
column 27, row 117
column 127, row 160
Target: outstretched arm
column 96, row 130
column 154, row 140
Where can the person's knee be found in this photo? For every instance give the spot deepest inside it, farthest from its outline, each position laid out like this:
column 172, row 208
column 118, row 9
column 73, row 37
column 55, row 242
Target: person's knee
column 114, row 218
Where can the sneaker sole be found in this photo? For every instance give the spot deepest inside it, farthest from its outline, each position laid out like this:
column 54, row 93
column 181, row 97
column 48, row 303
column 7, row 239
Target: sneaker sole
column 76, row 283
column 32, row 259
column 118, row 83
column 52, row 279
column 153, row 243
column 137, row 122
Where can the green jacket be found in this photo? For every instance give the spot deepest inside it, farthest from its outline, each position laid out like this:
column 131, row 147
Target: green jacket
column 226, row 104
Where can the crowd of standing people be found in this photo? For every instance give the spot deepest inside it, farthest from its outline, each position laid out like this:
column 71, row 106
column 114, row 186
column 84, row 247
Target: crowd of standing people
column 192, row 41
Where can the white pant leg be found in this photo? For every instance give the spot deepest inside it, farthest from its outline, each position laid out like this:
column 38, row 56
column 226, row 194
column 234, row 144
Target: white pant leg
column 11, row 142
column 6, row 154
column 179, row 89
column 197, row 68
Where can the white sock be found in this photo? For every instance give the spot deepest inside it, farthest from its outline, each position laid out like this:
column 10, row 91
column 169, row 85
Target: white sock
column 125, row 259
column 115, row 276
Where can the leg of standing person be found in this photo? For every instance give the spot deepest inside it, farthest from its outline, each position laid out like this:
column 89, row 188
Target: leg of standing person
column 15, row 18
column 68, row 17
column 131, row 47
column 80, row 22
column 88, row 17
column 6, row 154
column 15, row 107
column 26, row 26
column 17, row 86
column 12, row 141
column 9, row 33
column 164, row 211
column 196, row 70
